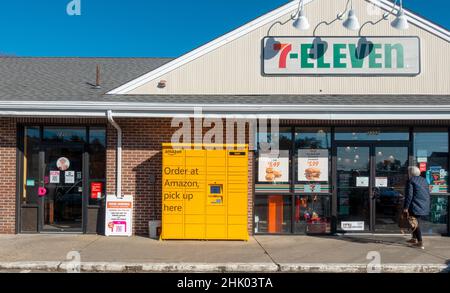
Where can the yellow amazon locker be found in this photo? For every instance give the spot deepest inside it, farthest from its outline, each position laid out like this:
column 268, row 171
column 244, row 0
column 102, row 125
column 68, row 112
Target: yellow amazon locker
column 204, row 191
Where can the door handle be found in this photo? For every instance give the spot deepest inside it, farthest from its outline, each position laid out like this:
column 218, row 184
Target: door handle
column 375, row 193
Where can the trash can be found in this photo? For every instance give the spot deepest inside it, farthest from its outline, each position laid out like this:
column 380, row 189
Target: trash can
column 154, row 229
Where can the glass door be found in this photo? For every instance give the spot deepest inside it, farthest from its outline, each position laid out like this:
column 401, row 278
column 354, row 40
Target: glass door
column 353, row 188
column 371, row 181
column 390, row 178
column 60, row 187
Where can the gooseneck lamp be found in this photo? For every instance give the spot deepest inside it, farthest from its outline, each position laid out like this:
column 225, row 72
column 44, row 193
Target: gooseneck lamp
column 300, row 20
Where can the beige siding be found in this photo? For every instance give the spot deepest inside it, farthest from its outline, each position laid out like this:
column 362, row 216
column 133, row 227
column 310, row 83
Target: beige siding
column 235, row 68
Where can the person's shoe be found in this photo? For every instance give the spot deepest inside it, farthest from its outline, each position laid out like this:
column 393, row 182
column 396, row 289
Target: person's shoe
column 412, row 241
column 419, row 245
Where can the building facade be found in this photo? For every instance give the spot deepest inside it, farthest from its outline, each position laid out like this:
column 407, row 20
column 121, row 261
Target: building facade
column 353, row 111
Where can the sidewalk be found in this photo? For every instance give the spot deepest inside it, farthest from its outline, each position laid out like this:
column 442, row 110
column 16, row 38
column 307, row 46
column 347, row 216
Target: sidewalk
column 260, row 254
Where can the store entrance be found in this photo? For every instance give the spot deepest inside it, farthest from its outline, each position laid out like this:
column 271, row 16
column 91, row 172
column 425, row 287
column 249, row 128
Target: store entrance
column 371, row 180
column 60, row 187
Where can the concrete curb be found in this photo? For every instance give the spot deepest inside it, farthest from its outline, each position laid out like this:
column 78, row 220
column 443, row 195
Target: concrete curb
column 363, row 268
column 56, row 266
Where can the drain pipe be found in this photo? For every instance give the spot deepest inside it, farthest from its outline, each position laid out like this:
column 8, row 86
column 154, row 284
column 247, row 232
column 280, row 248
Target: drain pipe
column 118, row 154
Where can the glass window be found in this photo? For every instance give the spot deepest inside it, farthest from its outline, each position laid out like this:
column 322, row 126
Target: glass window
column 312, row 156
column 273, row 214
column 436, row 222
column 97, row 164
column 312, row 138
column 371, row 133
column 64, row 134
column 31, row 163
column 275, row 168
column 284, row 137
column 312, row 214
column 431, row 156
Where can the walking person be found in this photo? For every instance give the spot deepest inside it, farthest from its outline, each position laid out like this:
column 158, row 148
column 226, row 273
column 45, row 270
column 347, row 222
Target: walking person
column 417, row 202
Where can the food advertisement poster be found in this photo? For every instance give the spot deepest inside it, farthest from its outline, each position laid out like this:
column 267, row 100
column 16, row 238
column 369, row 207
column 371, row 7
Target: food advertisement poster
column 313, row 165
column 273, row 168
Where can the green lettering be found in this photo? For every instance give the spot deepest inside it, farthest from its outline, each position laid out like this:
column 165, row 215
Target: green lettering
column 388, row 55
column 338, row 56
column 321, row 53
column 354, row 56
column 305, row 52
column 374, row 56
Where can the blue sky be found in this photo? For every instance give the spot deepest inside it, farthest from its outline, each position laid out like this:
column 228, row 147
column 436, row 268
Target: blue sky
column 115, row 27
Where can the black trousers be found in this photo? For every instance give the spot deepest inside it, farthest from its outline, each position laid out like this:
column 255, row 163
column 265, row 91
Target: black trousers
column 417, row 234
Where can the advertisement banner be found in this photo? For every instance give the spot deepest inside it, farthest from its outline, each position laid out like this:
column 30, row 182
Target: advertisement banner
column 341, row 56
column 312, row 165
column 273, row 168
column 119, row 216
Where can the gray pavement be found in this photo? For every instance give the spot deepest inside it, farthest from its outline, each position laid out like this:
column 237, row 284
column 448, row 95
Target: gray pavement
column 49, row 252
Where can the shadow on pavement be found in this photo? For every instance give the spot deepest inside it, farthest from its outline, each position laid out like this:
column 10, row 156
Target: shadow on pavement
column 363, row 239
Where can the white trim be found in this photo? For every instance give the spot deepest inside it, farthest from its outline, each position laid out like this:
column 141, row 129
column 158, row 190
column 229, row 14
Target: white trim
column 219, row 107
column 247, row 111
column 217, row 43
column 253, row 25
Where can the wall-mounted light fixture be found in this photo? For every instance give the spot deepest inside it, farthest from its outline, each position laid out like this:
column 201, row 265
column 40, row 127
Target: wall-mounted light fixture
column 351, row 22
column 300, row 20
column 400, row 22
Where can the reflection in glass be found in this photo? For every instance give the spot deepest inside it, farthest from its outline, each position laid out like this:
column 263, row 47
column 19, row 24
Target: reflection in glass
column 312, row 214
column 371, row 133
column 31, row 164
column 312, row 138
column 436, row 222
column 352, row 184
column 431, row 156
column 391, row 176
column 97, row 163
column 284, row 137
column 64, row 134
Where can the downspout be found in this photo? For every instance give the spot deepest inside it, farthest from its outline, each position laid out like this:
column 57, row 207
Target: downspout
column 118, row 154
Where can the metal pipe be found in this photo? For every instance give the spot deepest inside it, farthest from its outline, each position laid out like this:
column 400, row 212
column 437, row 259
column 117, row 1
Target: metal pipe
column 118, row 154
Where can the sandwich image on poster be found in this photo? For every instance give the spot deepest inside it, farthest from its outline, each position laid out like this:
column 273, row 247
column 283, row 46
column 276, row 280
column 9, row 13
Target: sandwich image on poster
column 312, row 165
column 273, row 168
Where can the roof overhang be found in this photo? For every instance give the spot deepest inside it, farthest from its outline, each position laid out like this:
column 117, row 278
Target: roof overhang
column 245, row 111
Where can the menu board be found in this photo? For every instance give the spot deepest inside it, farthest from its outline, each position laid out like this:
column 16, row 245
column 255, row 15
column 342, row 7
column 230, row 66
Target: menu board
column 313, row 165
column 273, row 168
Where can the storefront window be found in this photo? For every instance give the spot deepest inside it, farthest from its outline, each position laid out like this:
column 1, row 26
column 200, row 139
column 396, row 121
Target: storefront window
column 64, row 134
column 312, row 153
column 312, row 138
column 312, row 214
column 436, row 222
column 274, row 168
column 273, row 214
column 284, row 138
column 431, row 156
column 97, row 165
column 31, row 164
column 371, row 133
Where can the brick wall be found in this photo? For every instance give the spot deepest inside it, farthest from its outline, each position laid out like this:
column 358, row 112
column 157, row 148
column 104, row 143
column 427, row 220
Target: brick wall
column 7, row 176
column 141, row 158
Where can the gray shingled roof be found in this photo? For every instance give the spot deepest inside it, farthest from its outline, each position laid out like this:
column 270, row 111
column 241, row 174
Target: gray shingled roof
column 70, row 79
column 49, row 79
